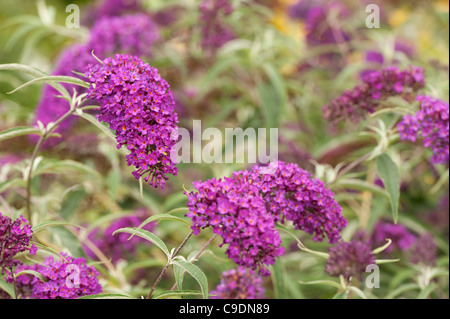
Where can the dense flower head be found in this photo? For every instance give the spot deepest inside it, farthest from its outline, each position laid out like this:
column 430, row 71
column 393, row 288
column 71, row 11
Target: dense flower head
column 430, row 122
column 119, row 246
column 67, row 278
column 133, row 34
column 292, row 194
column 243, row 209
column 349, row 259
column 236, row 212
column 139, row 106
column 15, row 238
column 424, row 252
column 401, row 238
column 240, row 283
column 376, row 87
column 215, row 33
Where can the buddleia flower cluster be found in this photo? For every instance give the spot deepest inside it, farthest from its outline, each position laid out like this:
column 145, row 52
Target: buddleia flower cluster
column 215, row 32
column 292, row 194
column 133, row 34
column 67, row 278
column 138, row 105
column 240, row 283
column 15, row 237
column 245, row 208
column 431, row 124
column 235, row 211
column 376, row 87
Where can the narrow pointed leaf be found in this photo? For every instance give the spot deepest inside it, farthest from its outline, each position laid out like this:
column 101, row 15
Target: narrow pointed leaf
column 196, row 273
column 389, row 174
column 147, row 236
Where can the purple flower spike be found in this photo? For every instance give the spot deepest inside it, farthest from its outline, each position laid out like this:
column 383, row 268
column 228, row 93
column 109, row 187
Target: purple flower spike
column 15, row 238
column 349, row 259
column 244, row 209
column 431, row 121
column 214, row 32
column 377, row 86
column 292, row 194
column 424, row 252
column 139, row 106
column 132, row 34
column 239, row 283
column 69, row 278
column 235, row 211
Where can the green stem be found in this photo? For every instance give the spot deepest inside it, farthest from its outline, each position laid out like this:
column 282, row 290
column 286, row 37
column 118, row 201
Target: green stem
column 163, row 271
column 36, row 150
column 197, row 256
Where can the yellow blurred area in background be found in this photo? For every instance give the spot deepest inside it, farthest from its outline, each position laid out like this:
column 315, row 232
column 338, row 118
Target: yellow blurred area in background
column 283, row 23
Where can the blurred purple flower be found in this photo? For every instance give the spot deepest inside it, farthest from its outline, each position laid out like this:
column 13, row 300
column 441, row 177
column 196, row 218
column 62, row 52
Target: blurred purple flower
column 239, row 283
column 132, row 34
column 439, row 217
column 51, row 107
column 424, row 251
column 110, row 8
column 215, row 32
column 300, row 10
column 349, row 259
column 118, row 246
column 431, row 122
column 376, row 87
column 318, row 29
column 401, row 238
column 376, row 59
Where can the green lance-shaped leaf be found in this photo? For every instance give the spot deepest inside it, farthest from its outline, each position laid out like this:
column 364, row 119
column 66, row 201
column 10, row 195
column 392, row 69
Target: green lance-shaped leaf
column 389, row 174
column 278, row 275
column 31, row 272
column 52, row 79
column 18, row 131
column 7, row 287
column 178, row 273
column 147, row 236
column 196, row 273
column 52, row 223
column 36, row 73
column 54, row 166
column 11, row 183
